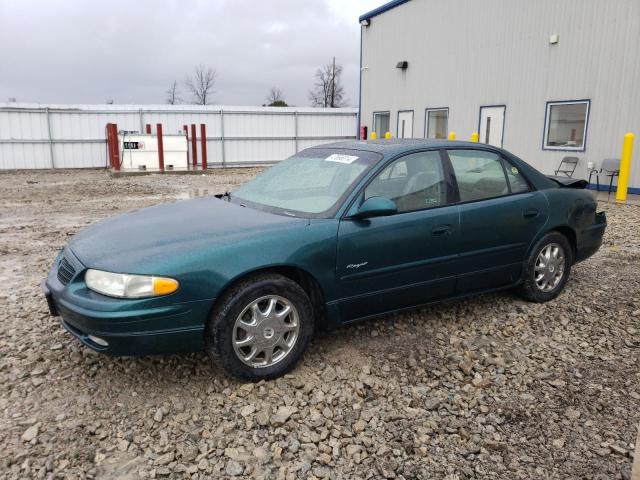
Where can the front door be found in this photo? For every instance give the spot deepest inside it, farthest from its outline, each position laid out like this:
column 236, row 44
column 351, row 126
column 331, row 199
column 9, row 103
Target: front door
column 405, row 124
column 499, row 215
column 492, row 125
column 387, row 263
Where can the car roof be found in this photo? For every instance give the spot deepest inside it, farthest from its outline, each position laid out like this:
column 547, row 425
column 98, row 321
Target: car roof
column 398, row 146
column 394, row 146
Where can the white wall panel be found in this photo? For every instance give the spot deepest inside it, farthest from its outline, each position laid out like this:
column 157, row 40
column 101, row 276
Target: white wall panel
column 251, row 134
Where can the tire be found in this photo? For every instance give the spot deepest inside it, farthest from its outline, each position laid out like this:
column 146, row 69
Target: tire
column 533, row 290
column 254, row 312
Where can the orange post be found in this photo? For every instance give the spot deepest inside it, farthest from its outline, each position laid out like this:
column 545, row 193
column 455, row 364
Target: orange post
column 113, row 146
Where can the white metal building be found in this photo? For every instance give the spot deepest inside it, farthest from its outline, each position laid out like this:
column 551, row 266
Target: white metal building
column 544, row 79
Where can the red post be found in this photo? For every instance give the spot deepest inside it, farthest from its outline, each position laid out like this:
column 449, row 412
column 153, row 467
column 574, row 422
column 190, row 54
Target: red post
column 185, row 129
column 114, row 147
column 148, row 129
column 109, row 146
column 160, row 147
column 203, row 144
column 194, row 145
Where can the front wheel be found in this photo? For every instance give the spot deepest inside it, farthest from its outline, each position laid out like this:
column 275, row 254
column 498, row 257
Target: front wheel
column 547, row 268
column 260, row 328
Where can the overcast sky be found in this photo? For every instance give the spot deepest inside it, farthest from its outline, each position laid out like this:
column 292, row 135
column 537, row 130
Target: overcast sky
column 87, row 51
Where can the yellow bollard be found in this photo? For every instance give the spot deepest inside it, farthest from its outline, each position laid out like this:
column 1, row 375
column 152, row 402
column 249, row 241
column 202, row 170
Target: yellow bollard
column 475, row 137
column 452, row 135
column 625, row 168
column 374, row 136
column 387, row 135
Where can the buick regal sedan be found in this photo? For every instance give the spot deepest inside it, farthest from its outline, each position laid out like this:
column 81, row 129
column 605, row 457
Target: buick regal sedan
column 334, row 234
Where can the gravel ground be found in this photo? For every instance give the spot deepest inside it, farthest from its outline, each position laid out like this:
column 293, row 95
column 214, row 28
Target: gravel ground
column 489, row 387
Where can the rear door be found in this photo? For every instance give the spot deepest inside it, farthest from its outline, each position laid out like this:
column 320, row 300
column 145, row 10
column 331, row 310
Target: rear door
column 405, row 124
column 406, row 259
column 491, row 126
column 499, row 216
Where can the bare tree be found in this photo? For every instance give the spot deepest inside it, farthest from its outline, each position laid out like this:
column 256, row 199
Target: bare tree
column 201, row 84
column 328, row 90
column 275, row 98
column 173, row 94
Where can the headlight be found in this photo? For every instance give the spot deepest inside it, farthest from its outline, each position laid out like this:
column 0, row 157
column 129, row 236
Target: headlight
column 129, row 286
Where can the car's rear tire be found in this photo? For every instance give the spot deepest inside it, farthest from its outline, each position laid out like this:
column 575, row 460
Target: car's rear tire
column 260, row 328
column 547, row 268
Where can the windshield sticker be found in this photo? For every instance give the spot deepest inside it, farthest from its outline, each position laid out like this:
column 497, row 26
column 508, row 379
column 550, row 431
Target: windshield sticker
column 514, row 170
column 348, row 159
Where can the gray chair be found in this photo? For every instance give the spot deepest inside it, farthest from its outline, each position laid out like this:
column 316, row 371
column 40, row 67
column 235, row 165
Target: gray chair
column 594, row 171
column 567, row 166
column 611, row 168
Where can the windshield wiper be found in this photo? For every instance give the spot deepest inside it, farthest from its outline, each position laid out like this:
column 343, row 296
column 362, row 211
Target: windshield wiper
column 224, row 195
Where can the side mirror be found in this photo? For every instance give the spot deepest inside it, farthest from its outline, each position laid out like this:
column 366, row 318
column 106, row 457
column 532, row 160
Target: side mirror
column 376, row 207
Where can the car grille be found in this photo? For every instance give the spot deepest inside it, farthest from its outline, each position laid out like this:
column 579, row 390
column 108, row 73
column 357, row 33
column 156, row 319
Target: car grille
column 66, row 271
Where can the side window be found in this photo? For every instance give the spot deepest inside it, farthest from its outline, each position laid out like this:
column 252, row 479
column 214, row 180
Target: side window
column 517, row 182
column 395, row 170
column 413, row 182
column 479, row 174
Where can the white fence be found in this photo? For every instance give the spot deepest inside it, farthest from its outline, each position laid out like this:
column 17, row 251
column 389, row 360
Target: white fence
column 73, row 136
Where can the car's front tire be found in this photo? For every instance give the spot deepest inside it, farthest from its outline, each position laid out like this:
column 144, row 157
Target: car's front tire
column 260, row 328
column 547, row 269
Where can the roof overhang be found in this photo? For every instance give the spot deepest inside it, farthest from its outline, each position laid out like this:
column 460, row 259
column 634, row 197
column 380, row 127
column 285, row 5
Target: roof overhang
column 381, row 9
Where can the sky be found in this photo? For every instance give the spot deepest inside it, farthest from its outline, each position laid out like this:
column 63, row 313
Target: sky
column 131, row 51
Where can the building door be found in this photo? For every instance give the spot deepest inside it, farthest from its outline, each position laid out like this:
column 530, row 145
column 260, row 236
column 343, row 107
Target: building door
column 491, row 125
column 405, row 124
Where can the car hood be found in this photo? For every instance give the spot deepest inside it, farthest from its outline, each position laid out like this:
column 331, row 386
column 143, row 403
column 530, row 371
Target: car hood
column 129, row 241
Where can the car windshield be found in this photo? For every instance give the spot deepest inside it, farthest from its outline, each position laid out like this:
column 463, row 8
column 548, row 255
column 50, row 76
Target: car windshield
column 312, row 183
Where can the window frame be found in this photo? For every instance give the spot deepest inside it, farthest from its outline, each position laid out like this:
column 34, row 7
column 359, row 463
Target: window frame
column 503, row 160
column 547, row 118
column 447, row 172
column 398, row 122
column 373, row 124
column 426, row 121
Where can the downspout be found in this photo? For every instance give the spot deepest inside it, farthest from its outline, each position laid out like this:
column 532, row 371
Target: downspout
column 359, row 122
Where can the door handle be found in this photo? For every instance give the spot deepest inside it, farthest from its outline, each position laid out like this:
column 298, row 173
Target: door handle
column 441, row 230
column 531, row 213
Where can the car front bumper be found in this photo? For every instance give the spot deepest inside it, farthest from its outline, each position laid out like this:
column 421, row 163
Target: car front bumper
column 125, row 327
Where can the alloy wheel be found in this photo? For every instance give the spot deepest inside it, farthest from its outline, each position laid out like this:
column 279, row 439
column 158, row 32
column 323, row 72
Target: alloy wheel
column 266, row 331
column 549, row 267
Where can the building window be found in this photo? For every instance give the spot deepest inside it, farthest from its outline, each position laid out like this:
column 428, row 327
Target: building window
column 437, row 122
column 566, row 125
column 381, row 123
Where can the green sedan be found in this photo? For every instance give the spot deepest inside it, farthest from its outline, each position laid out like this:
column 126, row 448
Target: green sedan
column 335, row 234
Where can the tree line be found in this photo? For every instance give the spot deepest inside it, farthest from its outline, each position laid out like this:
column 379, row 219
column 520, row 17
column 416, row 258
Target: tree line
column 327, row 89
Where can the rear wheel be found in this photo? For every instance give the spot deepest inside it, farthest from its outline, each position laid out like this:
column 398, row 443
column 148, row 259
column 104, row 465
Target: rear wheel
column 260, row 328
column 547, row 269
